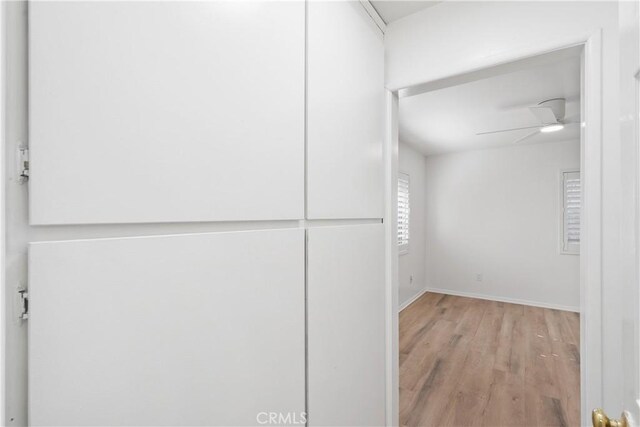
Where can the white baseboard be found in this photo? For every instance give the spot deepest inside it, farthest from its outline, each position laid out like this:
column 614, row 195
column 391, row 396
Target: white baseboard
column 412, row 300
column 503, row 299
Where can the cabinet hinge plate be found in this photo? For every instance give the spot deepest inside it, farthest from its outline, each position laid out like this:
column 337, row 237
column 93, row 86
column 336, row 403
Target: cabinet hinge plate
column 23, row 301
column 23, row 164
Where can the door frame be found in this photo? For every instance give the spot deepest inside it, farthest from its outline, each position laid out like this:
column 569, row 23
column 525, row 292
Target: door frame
column 3, row 242
column 591, row 144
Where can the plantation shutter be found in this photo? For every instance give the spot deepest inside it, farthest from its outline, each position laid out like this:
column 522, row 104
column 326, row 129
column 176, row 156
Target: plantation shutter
column 403, row 211
column 571, row 212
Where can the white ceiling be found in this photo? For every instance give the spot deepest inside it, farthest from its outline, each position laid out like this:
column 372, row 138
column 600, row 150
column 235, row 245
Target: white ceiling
column 391, row 10
column 447, row 120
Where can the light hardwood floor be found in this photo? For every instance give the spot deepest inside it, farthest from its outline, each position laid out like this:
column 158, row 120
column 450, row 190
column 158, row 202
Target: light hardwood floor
column 471, row 362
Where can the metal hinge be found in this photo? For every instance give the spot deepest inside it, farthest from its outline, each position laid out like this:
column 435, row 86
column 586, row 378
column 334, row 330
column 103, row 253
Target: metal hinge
column 23, row 164
column 23, row 296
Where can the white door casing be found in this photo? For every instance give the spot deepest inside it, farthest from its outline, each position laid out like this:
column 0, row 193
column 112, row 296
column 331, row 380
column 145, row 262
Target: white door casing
column 629, row 312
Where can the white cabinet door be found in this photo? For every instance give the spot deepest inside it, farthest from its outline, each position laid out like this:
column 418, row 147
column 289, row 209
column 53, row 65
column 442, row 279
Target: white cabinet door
column 346, row 326
column 345, row 112
column 202, row 329
column 166, row 111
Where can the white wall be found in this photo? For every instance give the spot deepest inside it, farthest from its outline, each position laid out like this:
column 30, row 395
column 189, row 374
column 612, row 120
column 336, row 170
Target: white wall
column 496, row 213
column 411, row 264
column 461, row 36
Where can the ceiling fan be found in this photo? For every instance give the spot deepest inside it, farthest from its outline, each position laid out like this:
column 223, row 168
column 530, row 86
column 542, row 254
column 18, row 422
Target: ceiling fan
column 551, row 115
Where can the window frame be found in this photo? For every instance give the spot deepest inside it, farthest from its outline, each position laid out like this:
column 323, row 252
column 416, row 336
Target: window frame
column 565, row 248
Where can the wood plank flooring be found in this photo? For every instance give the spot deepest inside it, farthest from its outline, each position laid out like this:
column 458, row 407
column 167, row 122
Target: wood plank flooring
column 471, row 362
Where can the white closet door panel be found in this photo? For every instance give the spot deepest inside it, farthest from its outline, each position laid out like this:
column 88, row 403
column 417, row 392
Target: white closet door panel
column 345, row 112
column 166, row 111
column 202, row 329
column 346, row 326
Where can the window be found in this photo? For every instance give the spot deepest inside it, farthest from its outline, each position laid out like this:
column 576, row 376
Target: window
column 571, row 206
column 403, row 212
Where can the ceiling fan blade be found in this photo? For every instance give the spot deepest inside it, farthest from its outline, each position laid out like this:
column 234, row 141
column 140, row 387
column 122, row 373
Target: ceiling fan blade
column 519, row 140
column 544, row 114
column 509, row 130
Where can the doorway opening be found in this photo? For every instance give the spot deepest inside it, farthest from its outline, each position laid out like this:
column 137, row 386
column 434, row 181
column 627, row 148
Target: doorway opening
column 491, row 223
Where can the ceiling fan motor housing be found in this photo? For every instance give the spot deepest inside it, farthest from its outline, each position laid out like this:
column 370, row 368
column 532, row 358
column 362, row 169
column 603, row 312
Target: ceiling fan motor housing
column 556, row 105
